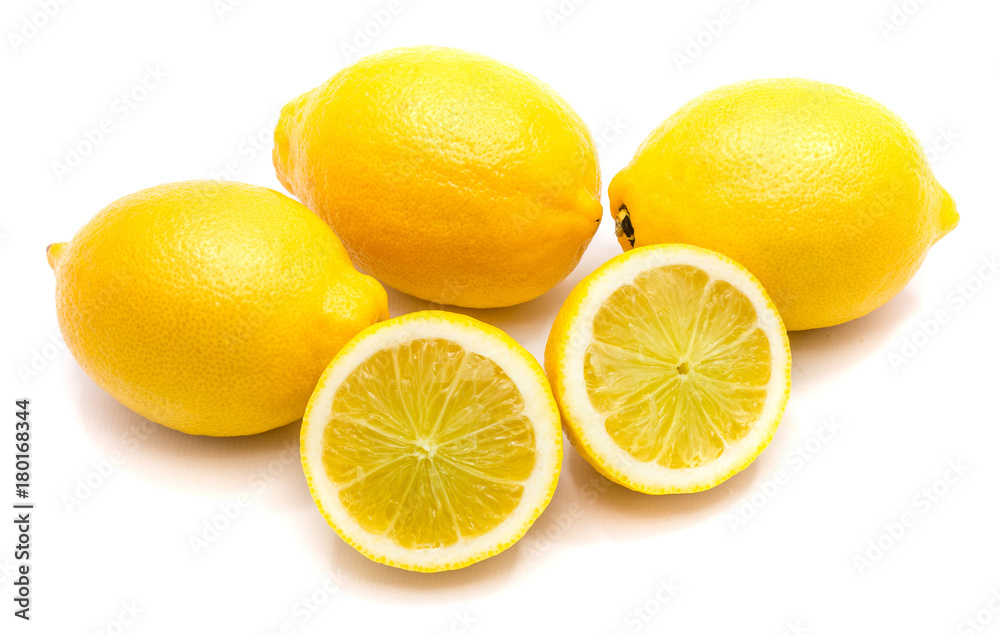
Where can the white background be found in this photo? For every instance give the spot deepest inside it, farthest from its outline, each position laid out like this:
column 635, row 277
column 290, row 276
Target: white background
column 601, row 559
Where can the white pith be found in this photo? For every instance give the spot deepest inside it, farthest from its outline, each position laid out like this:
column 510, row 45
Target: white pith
column 539, row 408
column 589, row 425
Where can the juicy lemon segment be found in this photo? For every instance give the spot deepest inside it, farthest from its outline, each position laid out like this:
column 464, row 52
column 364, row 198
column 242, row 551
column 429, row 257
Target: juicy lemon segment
column 438, row 431
column 432, row 442
column 684, row 353
column 671, row 367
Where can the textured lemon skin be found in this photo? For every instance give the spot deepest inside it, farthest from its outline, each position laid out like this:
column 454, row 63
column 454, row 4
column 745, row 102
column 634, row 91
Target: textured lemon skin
column 312, row 472
column 823, row 193
column 562, row 336
column 209, row 307
column 447, row 175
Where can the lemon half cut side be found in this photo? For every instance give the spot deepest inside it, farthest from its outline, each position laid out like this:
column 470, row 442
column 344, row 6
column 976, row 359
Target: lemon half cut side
column 671, row 367
column 432, row 442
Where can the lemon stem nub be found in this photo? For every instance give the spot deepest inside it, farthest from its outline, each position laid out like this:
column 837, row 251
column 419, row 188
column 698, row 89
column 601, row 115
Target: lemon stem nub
column 623, row 225
column 52, row 253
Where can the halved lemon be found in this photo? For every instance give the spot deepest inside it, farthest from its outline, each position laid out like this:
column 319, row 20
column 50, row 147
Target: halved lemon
column 432, row 442
column 671, row 367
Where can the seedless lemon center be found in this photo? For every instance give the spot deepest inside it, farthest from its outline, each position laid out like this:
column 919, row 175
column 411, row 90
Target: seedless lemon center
column 428, row 444
column 678, row 366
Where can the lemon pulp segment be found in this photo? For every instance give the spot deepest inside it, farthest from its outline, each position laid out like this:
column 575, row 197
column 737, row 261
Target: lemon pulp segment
column 678, row 365
column 428, row 444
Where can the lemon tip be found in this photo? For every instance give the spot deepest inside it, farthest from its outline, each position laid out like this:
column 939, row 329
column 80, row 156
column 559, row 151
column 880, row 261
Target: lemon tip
column 949, row 212
column 52, row 253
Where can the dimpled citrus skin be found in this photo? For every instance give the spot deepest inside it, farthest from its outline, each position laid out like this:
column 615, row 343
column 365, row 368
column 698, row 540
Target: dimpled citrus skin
column 448, row 175
column 822, row 193
column 209, row 307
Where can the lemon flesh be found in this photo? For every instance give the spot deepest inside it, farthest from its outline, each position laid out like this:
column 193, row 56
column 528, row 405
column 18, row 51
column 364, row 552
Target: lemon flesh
column 671, row 368
column 678, row 365
column 428, row 444
column 432, row 441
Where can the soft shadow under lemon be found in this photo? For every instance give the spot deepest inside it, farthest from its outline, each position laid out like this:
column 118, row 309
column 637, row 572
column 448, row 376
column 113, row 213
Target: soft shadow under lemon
column 819, row 354
column 210, row 466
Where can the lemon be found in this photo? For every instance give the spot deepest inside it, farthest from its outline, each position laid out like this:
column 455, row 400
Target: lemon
column 209, row 307
column 823, row 193
column 448, row 175
column 671, row 368
column 432, row 441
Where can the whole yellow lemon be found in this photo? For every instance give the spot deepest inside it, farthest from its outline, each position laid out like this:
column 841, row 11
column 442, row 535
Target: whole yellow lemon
column 448, row 175
column 209, row 307
column 824, row 194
